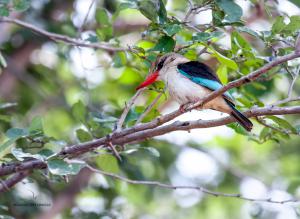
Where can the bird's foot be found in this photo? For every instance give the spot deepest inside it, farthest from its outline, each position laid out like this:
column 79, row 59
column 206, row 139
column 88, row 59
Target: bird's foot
column 184, row 107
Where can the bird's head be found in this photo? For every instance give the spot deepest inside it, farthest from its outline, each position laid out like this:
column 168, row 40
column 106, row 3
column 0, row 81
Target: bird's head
column 161, row 67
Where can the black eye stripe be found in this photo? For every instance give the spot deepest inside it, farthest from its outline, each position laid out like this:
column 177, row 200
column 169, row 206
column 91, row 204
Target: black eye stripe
column 161, row 63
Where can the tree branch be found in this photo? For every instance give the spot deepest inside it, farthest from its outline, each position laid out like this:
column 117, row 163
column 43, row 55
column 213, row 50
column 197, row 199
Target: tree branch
column 199, row 188
column 79, row 149
column 10, row 182
column 141, row 132
column 63, row 38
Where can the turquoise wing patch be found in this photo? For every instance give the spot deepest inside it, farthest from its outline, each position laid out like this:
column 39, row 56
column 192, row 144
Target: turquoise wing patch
column 210, row 84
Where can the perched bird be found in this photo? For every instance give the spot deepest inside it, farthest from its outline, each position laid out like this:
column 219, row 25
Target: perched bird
column 190, row 81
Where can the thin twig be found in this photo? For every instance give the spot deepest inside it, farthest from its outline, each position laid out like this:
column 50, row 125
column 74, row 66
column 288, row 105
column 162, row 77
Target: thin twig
column 115, row 152
column 63, row 38
column 262, row 122
column 290, row 90
column 127, row 109
column 287, row 100
column 198, row 188
column 86, row 17
column 294, row 78
column 189, row 12
column 149, row 108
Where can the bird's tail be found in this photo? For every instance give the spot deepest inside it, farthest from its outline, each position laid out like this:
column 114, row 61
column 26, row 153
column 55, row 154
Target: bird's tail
column 240, row 117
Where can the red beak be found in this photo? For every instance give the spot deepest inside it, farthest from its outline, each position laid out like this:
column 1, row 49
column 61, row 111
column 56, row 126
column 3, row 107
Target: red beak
column 149, row 80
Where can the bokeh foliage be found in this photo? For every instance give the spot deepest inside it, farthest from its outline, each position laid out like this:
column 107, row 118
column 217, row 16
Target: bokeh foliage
column 57, row 99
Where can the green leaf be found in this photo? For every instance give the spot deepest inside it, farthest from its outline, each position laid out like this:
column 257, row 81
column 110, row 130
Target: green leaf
column 232, row 10
column 259, row 86
column 5, row 118
column 60, row 167
column 105, row 31
column 102, row 16
column 92, row 38
column 83, row 136
column 79, row 111
column 222, row 73
column 153, row 151
column 15, row 133
column 293, row 26
column 238, row 42
column 218, row 16
column 129, row 76
column 119, row 59
column 164, row 44
column 282, row 123
column 126, row 5
column 162, row 12
column 99, row 129
column 245, row 101
column 2, row 60
column 149, row 9
column 205, row 36
column 249, row 31
column 4, row 12
column 46, row 153
column 264, row 133
column 108, row 163
column 6, row 146
column 154, row 113
column 172, row 29
column 154, row 10
column 278, row 25
column 36, row 125
column 224, row 60
column 133, row 115
column 21, row 5
column 20, row 155
column 238, row 129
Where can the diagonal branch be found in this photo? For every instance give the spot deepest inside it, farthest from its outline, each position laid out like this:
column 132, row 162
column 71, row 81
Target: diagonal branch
column 62, row 38
column 246, row 79
column 289, row 97
column 127, row 109
column 10, row 182
column 149, row 108
column 79, row 149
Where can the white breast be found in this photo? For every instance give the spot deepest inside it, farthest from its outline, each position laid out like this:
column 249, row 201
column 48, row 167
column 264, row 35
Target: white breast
column 183, row 90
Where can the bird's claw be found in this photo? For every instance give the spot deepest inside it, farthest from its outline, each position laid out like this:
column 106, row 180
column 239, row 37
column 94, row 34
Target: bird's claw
column 184, row 107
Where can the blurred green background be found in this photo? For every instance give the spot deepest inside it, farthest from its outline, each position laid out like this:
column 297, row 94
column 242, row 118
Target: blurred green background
column 74, row 94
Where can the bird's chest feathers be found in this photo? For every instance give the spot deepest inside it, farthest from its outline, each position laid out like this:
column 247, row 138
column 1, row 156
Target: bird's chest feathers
column 182, row 89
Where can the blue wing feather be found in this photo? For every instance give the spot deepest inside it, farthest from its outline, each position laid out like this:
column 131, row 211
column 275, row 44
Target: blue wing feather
column 208, row 83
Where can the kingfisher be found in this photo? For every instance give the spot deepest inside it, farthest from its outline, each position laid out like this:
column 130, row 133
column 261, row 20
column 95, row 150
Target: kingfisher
column 190, row 81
